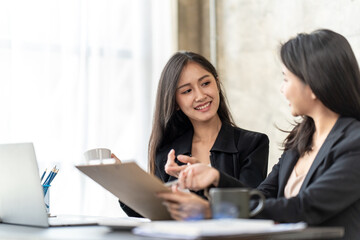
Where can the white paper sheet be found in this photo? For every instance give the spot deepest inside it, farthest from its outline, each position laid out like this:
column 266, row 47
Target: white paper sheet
column 203, row 228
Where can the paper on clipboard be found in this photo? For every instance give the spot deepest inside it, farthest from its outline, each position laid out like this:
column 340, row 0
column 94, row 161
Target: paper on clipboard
column 132, row 185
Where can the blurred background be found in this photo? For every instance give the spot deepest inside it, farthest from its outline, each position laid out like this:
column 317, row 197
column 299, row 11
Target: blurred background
column 82, row 74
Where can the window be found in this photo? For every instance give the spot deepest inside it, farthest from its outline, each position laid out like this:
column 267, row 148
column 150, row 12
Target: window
column 81, row 74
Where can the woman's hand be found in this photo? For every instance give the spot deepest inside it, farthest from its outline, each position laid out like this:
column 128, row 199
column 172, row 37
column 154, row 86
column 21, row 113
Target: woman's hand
column 185, row 205
column 172, row 168
column 188, row 160
column 198, row 176
column 117, row 160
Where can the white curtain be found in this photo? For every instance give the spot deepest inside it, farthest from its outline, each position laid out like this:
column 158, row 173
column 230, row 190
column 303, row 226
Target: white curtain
column 81, row 74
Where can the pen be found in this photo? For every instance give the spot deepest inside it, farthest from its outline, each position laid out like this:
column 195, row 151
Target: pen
column 51, row 176
column 54, row 175
column 43, row 175
column 48, row 178
column 171, row 183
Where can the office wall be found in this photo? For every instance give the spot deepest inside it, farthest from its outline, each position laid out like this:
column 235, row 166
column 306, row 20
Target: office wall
column 249, row 33
column 193, row 26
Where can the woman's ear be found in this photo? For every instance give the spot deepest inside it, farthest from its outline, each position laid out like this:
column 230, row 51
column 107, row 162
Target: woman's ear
column 313, row 96
column 309, row 90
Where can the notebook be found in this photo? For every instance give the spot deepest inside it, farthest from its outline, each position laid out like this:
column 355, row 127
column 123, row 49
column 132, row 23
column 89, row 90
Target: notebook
column 21, row 194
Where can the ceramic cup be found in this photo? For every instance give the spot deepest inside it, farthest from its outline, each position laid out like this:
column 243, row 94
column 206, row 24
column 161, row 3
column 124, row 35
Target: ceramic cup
column 97, row 154
column 235, row 202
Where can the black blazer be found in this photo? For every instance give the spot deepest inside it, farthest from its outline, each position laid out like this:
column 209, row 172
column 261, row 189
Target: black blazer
column 239, row 153
column 330, row 193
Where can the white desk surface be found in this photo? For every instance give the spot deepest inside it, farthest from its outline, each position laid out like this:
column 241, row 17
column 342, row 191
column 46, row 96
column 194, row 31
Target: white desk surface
column 10, row 232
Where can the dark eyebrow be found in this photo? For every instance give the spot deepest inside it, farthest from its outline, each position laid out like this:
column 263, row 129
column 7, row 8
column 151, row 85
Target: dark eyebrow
column 186, row 84
column 205, row 76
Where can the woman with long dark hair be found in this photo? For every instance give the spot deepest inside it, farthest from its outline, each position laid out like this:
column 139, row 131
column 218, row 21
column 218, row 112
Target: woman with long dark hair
column 192, row 124
column 316, row 179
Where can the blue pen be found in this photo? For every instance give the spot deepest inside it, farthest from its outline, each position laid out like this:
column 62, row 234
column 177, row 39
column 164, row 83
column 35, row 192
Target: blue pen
column 47, row 179
column 43, row 175
column 52, row 177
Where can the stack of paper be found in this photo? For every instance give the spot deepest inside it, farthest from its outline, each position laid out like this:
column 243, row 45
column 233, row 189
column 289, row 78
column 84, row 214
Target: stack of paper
column 215, row 227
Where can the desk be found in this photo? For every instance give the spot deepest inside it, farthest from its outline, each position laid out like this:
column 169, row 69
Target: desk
column 9, row 232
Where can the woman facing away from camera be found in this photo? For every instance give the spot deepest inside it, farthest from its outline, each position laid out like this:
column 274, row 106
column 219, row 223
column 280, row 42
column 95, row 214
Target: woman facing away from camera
column 192, row 124
column 317, row 177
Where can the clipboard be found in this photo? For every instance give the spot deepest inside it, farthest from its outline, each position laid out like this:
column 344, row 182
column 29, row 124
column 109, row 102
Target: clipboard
column 132, row 185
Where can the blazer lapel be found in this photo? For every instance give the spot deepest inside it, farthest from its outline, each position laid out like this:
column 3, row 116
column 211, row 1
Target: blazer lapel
column 335, row 133
column 287, row 167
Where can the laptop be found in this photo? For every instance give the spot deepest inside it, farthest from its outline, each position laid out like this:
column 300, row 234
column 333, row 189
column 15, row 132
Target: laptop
column 21, row 194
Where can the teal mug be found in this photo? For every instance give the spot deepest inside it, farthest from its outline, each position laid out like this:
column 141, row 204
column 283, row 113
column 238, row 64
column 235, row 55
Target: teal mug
column 235, row 202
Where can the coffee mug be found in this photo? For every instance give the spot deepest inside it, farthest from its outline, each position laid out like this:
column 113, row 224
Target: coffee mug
column 234, row 202
column 97, row 154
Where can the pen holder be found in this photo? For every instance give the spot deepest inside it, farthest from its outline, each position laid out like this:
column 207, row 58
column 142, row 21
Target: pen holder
column 46, row 189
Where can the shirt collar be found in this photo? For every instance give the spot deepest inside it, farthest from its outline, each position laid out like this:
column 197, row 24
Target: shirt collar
column 225, row 141
column 182, row 145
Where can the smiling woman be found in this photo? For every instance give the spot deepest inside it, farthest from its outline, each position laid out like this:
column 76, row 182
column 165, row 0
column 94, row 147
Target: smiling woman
column 198, row 95
column 192, row 124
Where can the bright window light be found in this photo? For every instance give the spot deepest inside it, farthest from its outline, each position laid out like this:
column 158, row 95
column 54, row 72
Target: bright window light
column 81, row 74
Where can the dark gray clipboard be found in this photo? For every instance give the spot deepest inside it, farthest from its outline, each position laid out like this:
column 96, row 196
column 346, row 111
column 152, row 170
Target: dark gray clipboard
column 132, row 185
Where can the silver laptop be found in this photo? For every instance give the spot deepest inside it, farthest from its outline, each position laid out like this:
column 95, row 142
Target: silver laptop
column 21, row 195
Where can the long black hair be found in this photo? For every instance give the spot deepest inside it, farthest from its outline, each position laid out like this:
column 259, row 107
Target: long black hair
column 169, row 122
column 325, row 61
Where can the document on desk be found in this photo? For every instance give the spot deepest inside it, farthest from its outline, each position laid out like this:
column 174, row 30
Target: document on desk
column 212, row 228
column 132, row 185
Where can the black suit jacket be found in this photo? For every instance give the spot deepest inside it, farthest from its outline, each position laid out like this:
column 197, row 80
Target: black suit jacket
column 240, row 153
column 237, row 152
column 330, row 193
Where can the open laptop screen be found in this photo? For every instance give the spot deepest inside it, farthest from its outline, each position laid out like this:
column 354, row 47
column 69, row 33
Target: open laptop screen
column 21, row 195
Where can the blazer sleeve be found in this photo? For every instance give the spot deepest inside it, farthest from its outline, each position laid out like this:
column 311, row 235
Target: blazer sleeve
column 254, row 167
column 129, row 211
column 270, row 186
column 331, row 193
column 160, row 161
column 227, row 181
